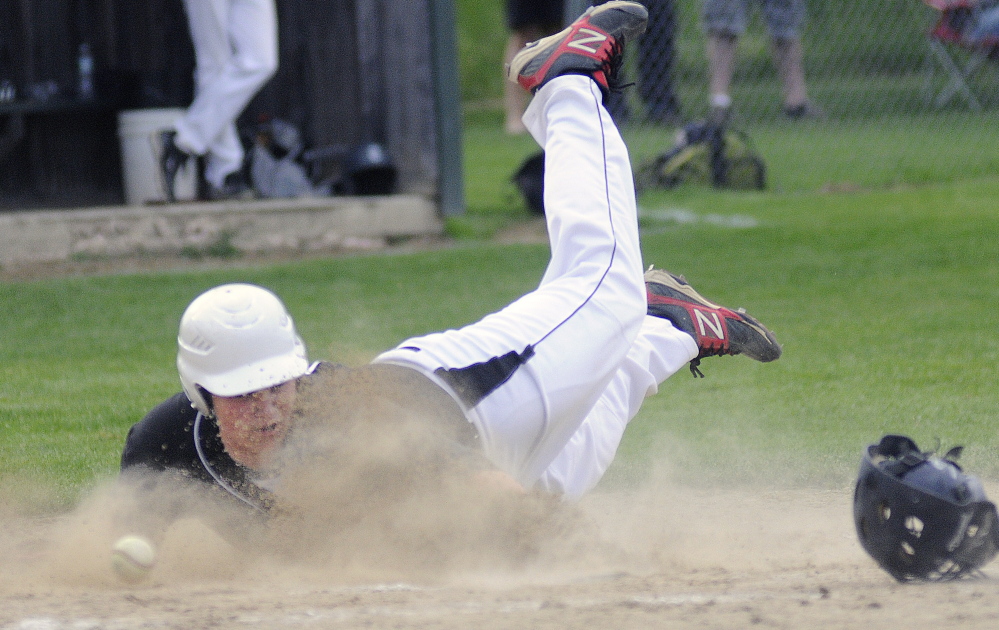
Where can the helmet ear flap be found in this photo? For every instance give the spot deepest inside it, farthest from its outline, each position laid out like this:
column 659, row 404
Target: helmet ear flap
column 207, row 407
column 201, row 398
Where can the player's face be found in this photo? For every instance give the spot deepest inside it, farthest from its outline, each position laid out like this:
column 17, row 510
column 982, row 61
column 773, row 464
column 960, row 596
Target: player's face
column 254, row 425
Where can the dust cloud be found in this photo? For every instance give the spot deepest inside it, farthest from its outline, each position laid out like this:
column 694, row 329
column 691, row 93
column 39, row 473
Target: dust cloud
column 391, row 509
column 369, row 494
column 385, row 530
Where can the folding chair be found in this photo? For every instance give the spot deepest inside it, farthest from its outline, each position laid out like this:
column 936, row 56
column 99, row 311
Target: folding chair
column 953, row 53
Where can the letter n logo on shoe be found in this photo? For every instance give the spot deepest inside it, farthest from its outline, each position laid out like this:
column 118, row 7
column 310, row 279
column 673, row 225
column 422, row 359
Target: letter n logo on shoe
column 587, row 40
column 707, row 321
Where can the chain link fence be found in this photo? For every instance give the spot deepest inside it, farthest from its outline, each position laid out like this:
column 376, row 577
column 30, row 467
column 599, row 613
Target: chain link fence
column 897, row 103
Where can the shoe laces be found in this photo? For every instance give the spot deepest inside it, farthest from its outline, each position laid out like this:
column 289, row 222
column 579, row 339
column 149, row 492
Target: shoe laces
column 612, row 69
column 714, row 350
column 695, row 363
column 695, row 370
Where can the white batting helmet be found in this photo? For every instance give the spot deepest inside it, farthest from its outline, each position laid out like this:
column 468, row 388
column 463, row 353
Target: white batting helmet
column 236, row 339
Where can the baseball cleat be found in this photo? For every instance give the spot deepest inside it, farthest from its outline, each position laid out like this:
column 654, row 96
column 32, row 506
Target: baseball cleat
column 716, row 329
column 591, row 46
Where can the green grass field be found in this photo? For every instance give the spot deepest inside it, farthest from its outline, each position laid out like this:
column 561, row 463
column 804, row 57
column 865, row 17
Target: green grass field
column 885, row 301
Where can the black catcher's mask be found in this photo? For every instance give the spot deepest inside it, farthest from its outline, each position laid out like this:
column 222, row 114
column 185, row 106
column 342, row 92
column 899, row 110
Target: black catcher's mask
column 920, row 516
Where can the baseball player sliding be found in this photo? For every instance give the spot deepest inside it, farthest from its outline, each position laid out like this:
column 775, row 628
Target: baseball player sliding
column 539, row 394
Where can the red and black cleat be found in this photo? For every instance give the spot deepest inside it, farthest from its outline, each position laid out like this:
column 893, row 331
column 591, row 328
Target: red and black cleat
column 591, row 46
column 716, row 329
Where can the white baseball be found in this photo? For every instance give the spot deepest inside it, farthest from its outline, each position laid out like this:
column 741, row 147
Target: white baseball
column 132, row 558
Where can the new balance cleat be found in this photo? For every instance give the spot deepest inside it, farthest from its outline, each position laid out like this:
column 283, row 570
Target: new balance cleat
column 716, row 329
column 591, row 46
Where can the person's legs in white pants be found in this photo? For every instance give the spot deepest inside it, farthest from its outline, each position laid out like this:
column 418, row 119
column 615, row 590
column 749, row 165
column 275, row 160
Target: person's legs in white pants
column 235, row 43
column 659, row 352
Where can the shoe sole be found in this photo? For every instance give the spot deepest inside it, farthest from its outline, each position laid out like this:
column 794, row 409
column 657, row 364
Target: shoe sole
column 547, row 44
column 679, row 284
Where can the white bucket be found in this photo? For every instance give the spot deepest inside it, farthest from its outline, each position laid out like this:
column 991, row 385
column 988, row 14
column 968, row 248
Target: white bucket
column 138, row 130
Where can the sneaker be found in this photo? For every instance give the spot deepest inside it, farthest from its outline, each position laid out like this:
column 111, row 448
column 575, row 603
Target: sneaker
column 172, row 159
column 805, row 111
column 591, row 46
column 716, row 329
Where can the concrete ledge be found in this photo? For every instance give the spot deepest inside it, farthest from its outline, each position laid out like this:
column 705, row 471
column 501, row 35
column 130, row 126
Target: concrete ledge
column 247, row 226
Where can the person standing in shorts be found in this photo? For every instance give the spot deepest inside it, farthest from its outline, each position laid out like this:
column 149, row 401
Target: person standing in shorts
column 725, row 21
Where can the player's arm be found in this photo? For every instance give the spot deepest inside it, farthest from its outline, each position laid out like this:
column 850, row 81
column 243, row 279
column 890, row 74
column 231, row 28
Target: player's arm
column 151, row 460
column 164, row 479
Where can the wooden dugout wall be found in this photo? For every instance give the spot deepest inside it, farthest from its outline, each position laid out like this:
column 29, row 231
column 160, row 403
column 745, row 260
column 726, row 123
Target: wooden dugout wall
column 350, row 71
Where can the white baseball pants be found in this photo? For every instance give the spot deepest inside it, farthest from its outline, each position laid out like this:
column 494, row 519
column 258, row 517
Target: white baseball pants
column 551, row 381
column 236, row 53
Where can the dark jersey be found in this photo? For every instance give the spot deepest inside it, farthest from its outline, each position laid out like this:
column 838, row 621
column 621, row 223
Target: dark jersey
column 176, row 438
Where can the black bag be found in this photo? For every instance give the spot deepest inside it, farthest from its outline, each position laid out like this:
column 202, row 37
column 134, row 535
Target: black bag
column 530, row 181
column 706, row 154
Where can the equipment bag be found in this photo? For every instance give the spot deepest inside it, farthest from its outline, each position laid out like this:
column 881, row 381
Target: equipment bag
column 530, row 181
column 706, row 154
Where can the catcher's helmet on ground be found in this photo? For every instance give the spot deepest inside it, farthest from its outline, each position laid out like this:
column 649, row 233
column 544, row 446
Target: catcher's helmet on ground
column 920, row 516
column 236, row 339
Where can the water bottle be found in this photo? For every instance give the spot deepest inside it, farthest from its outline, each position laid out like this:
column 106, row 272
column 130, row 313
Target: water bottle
column 7, row 91
column 85, row 89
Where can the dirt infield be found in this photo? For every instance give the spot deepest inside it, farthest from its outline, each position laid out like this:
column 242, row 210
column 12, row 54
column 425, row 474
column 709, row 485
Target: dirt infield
column 661, row 558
